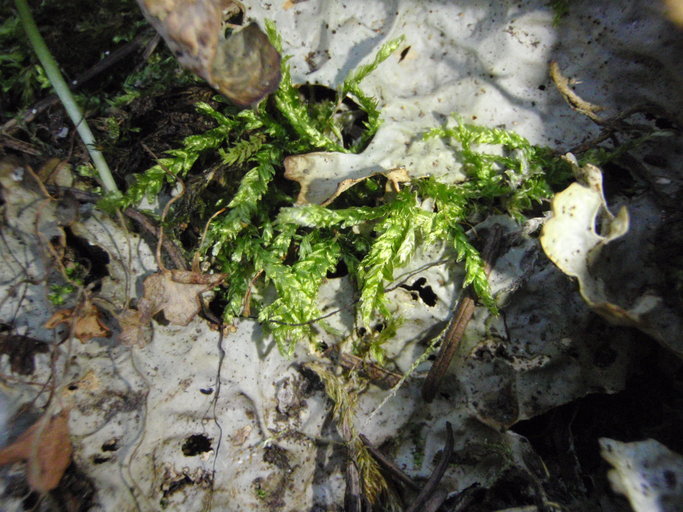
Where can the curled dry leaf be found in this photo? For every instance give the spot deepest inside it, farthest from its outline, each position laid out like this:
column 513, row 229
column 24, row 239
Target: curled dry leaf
column 584, row 239
column 245, row 67
column 87, row 323
column 173, row 292
column 46, row 447
column 571, row 239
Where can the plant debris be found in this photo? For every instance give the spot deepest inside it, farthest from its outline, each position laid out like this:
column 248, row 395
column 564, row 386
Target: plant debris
column 86, row 320
column 46, row 447
column 245, row 66
column 176, row 293
column 22, row 351
column 583, row 237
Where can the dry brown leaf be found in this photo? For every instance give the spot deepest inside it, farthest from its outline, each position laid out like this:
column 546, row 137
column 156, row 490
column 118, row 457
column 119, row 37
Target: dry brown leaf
column 176, row 293
column 87, row 323
column 46, row 446
column 394, row 179
column 135, row 331
column 245, row 67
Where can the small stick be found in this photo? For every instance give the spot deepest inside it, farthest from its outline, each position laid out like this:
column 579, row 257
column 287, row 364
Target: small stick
column 574, row 100
column 437, row 474
column 113, row 58
column 379, row 376
column 461, row 317
column 389, row 465
column 246, row 301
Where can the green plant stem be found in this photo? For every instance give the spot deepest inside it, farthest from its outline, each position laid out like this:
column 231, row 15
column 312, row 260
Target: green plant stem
column 64, row 94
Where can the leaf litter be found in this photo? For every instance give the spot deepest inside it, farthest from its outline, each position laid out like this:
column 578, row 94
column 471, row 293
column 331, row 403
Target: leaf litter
column 176, row 293
column 46, row 448
column 86, row 320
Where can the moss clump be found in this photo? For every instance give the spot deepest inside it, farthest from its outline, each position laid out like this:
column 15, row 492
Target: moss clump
column 277, row 256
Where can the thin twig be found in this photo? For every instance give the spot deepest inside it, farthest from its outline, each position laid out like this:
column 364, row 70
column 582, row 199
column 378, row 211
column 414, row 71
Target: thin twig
column 164, row 214
column 573, row 99
column 110, row 60
column 389, row 465
column 437, row 474
column 62, row 89
column 195, row 258
column 246, row 301
column 379, row 376
column 461, row 317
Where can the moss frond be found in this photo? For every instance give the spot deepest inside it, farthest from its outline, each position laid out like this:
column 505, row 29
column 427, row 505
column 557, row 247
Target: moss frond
column 369, row 104
column 290, row 316
column 289, row 103
column 315, row 216
column 513, row 171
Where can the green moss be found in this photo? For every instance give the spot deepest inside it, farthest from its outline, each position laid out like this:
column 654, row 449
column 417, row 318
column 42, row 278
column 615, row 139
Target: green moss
column 560, row 9
column 277, row 256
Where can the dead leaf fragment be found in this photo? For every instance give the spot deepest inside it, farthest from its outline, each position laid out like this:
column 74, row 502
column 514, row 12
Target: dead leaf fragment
column 46, row 446
column 571, row 239
column 394, row 179
column 86, row 320
column 320, row 185
column 176, row 293
column 245, row 67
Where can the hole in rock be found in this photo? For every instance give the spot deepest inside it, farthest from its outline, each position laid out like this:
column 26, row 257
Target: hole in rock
column 110, row 446
column 196, row 444
column 93, row 258
column 425, row 293
column 235, row 18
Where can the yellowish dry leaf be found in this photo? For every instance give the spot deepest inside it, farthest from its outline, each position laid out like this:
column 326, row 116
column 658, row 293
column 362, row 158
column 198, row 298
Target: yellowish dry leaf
column 87, row 323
